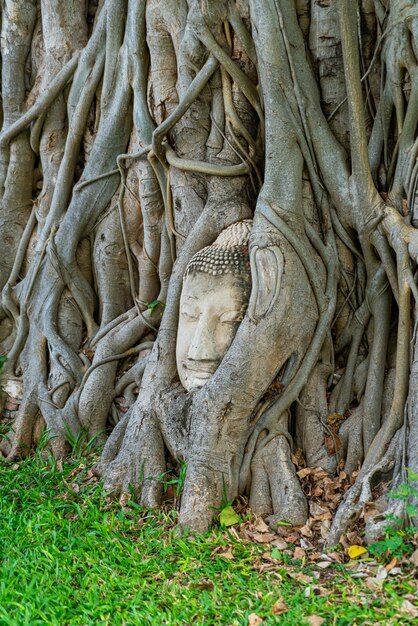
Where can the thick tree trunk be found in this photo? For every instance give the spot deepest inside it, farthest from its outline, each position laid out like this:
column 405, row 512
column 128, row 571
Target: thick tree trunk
column 133, row 133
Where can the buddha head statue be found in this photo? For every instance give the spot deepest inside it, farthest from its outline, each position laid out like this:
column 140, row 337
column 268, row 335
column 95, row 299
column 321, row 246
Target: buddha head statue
column 215, row 294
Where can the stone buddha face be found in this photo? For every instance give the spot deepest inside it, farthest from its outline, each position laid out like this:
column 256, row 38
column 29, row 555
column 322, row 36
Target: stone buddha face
column 216, row 289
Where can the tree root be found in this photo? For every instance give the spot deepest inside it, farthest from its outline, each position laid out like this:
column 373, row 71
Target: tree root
column 275, row 488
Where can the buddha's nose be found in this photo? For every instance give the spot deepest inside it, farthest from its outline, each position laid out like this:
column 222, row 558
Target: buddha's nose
column 203, row 344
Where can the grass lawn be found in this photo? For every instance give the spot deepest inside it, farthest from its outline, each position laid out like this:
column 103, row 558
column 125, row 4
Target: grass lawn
column 70, row 556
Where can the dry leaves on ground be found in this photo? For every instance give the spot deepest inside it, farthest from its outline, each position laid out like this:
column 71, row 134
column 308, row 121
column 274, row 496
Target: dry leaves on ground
column 409, row 608
column 315, row 620
column 279, row 608
column 223, row 551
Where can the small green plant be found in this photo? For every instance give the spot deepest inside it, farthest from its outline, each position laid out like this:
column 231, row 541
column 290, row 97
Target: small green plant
column 398, row 534
column 44, row 440
column 6, row 430
column 227, row 515
column 176, row 483
column 151, row 306
column 80, row 443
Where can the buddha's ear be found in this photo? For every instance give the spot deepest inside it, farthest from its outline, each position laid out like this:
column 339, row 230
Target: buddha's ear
column 267, row 266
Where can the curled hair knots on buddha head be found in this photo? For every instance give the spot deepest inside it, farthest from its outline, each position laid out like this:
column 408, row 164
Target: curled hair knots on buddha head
column 227, row 255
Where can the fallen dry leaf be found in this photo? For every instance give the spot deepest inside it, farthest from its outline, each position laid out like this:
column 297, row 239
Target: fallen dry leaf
column 315, row 620
column 227, row 555
column 261, row 526
column 395, row 571
column 300, row 576
column 124, row 498
column 305, row 543
column 370, row 510
column 254, row 620
column 414, row 558
column 279, row 608
column 325, row 526
column 374, row 584
column 335, row 557
column 223, row 551
column 263, row 537
column 381, row 573
column 316, row 509
column 204, row 584
column 304, row 472
column 332, row 443
column 319, row 592
column 334, row 418
column 76, row 470
column 408, row 607
column 306, row 530
column 299, row 553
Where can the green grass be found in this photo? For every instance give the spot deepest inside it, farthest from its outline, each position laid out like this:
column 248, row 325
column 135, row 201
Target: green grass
column 70, row 556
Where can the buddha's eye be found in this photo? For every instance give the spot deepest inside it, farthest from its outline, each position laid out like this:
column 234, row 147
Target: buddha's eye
column 230, row 317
